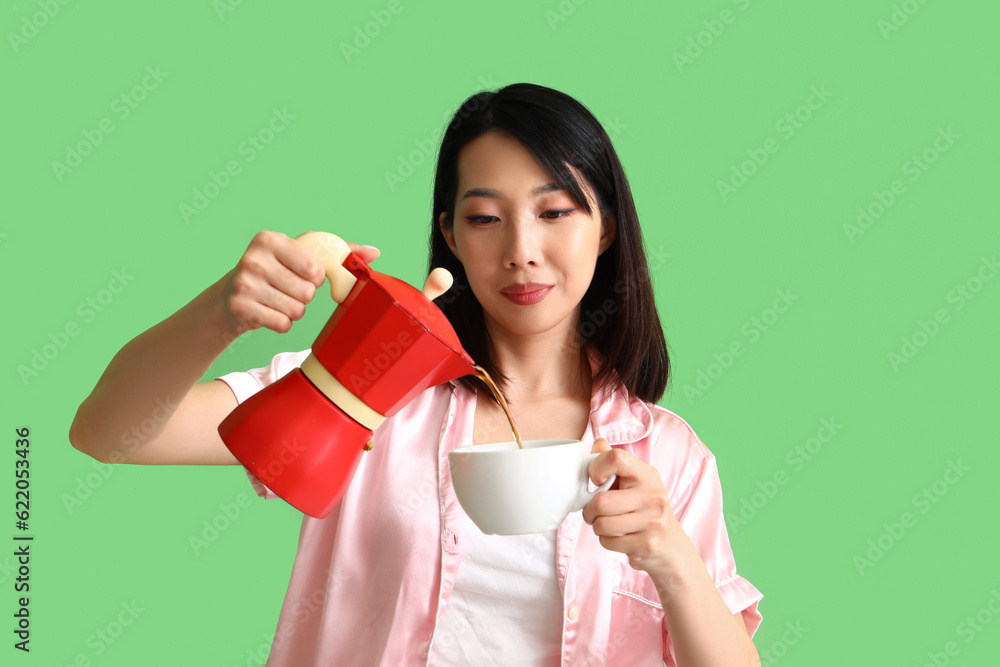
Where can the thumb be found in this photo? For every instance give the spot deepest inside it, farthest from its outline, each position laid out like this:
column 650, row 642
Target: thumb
column 600, row 445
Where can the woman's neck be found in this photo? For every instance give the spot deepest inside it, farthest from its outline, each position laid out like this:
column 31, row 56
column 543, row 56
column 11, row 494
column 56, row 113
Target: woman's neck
column 542, row 367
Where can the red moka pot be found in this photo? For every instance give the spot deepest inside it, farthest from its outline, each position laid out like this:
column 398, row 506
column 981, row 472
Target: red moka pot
column 304, row 435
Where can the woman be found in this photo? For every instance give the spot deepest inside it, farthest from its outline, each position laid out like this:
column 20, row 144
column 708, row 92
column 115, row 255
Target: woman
column 534, row 218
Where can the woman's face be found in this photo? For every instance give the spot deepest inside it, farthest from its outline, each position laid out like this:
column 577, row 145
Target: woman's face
column 528, row 249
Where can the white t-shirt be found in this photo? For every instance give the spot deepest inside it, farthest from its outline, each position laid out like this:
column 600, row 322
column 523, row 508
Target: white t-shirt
column 506, row 607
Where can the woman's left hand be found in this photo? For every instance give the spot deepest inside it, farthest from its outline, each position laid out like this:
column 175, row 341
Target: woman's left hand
column 634, row 516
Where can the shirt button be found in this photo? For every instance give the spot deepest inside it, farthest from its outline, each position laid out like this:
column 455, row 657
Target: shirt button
column 574, row 613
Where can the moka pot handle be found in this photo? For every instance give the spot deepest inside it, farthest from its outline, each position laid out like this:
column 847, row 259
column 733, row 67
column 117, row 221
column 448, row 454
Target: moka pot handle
column 331, row 251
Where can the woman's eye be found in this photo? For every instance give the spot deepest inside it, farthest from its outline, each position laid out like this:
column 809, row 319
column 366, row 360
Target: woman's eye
column 480, row 219
column 551, row 214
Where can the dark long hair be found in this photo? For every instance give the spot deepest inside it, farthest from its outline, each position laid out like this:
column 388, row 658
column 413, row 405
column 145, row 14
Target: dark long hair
column 618, row 316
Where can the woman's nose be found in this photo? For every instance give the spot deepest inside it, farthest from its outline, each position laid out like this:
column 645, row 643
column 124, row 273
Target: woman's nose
column 521, row 244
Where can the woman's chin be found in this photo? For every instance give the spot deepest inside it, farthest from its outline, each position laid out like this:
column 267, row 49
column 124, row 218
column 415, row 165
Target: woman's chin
column 536, row 324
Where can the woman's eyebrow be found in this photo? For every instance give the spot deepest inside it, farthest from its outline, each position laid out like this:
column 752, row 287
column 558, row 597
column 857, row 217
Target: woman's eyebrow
column 493, row 194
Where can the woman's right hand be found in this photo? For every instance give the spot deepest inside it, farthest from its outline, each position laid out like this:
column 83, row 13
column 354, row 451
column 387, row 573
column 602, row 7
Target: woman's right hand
column 149, row 406
column 273, row 281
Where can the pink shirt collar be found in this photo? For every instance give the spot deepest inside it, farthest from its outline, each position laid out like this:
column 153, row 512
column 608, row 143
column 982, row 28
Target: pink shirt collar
column 622, row 419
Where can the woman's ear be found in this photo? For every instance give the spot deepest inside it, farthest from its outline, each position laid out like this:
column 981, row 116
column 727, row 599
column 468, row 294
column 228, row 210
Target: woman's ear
column 608, row 230
column 449, row 234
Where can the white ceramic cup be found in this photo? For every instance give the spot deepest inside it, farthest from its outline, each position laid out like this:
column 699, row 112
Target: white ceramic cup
column 509, row 491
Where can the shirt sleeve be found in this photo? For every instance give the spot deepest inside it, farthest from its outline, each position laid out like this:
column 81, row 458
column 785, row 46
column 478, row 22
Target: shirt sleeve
column 245, row 384
column 700, row 513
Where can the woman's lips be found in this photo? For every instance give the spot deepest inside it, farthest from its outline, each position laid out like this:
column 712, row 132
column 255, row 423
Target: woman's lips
column 526, row 294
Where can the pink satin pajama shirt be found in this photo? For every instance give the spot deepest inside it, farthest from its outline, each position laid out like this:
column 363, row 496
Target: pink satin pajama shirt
column 371, row 579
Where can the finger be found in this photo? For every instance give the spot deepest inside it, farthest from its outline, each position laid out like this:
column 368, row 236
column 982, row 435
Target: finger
column 367, row 253
column 616, row 461
column 258, row 315
column 290, row 300
column 263, row 281
column 600, row 445
column 299, row 262
column 292, row 270
column 438, row 282
column 288, row 291
column 612, row 503
column 620, row 525
column 619, row 544
column 626, row 544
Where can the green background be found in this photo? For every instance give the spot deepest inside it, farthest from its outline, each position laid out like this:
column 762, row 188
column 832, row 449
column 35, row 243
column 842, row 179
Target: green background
column 681, row 127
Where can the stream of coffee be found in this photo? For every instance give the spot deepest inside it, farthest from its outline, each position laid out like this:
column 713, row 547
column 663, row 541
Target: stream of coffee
column 485, row 377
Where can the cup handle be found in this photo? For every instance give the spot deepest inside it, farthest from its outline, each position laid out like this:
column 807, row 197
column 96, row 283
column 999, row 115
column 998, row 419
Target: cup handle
column 585, row 493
